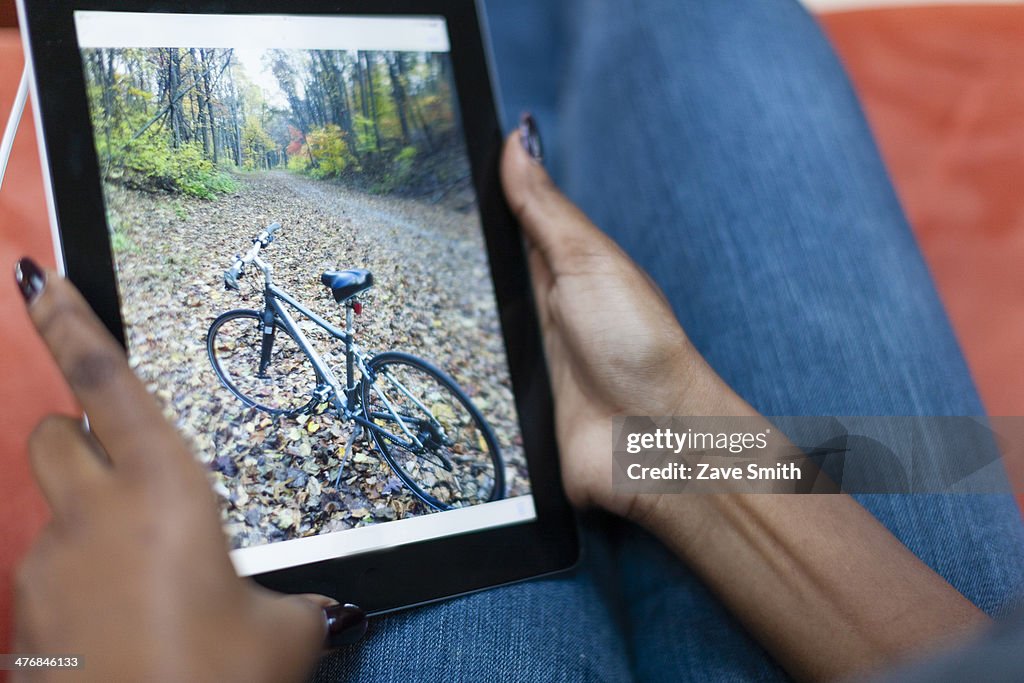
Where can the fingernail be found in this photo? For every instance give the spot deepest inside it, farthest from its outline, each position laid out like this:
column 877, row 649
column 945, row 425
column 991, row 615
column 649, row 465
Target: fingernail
column 30, row 278
column 346, row 624
column 529, row 136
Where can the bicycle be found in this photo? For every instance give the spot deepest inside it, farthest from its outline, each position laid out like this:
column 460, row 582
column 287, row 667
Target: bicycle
column 426, row 428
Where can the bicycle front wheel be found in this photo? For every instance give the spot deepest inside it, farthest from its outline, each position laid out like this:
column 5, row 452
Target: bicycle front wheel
column 287, row 383
column 430, row 433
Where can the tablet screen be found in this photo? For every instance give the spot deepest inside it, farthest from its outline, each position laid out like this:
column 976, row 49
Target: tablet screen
column 303, row 275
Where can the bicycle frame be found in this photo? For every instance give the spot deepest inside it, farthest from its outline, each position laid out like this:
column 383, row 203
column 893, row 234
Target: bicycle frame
column 276, row 311
column 273, row 296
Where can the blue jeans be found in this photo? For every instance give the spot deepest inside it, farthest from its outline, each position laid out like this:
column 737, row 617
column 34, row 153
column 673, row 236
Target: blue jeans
column 720, row 144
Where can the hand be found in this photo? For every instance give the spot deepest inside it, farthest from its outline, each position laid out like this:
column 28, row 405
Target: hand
column 821, row 584
column 613, row 344
column 132, row 572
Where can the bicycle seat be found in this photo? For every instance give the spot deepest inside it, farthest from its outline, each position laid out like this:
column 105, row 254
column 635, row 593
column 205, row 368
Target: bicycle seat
column 345, row 284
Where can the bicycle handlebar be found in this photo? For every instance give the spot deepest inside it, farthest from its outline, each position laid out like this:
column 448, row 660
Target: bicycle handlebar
column 266, row 237
column 261, row 241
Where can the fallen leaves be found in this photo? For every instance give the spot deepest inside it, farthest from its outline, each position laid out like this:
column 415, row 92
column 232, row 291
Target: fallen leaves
column 275, row 477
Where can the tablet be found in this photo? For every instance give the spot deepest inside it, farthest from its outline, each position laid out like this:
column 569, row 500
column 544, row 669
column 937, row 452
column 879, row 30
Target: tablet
column 291, row 217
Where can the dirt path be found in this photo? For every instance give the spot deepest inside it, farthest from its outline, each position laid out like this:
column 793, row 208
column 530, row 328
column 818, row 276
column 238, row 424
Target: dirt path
column 405, row 220
column 432, row 298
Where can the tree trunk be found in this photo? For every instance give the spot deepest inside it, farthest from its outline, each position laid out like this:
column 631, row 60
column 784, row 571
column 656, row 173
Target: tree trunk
column 398, row 92
column 201, row 99
column 373, row 100
column 172, row 88
column 414, row 112
column 337, row 95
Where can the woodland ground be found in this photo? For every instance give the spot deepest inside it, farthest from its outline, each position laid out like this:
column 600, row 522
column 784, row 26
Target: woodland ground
column 433, row 298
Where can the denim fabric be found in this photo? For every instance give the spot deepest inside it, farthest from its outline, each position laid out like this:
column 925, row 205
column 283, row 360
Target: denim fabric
column 564, row 628
column 720, row 144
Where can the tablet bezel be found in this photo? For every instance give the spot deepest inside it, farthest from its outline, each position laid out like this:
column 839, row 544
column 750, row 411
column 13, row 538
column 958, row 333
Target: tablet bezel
column 382, row 580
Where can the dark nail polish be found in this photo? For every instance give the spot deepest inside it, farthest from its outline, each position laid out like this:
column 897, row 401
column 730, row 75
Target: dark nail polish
column 31, row 279
column 346, row 624
column 529, row 136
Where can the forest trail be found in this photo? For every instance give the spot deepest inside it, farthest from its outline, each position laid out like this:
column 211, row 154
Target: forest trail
column 388, row 218
column 432, row 297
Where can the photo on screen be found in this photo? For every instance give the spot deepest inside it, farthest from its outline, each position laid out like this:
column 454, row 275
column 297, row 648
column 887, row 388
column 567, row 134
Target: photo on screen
column 358, row 155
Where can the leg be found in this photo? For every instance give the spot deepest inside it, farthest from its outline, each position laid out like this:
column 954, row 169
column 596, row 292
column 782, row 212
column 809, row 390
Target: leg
column 721, row 145
column 760, row 204
column 557, row 629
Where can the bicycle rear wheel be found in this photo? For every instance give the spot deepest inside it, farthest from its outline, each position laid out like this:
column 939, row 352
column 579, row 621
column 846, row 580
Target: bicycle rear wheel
column 430, row 433
column 286, row 386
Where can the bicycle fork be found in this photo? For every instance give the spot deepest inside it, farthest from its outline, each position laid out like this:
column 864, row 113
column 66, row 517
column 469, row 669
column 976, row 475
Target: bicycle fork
column 267, row 345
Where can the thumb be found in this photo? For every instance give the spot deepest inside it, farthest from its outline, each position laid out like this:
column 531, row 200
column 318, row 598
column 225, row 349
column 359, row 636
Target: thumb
column 566, row 240
column 344, row 624
column 317, row 622
column 553, row 225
